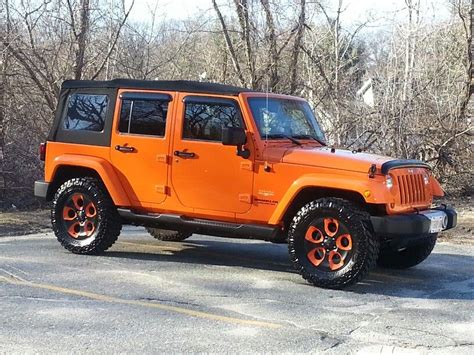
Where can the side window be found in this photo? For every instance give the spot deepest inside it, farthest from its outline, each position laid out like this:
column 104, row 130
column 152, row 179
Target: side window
column 204, row 121
column 86, row 112
column 146, row 117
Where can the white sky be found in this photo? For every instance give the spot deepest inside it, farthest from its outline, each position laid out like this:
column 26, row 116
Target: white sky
column 356, row 11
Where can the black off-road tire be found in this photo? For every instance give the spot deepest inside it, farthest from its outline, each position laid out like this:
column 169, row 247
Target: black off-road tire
column 108, row 222
column 408, row 257
column 168, row 235
column 365, row 245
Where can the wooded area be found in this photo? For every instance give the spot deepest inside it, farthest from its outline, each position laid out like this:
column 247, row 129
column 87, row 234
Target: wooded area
column 402, row 90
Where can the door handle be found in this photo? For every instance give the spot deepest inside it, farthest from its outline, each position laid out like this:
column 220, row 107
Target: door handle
column 124, row 149
column 185, row 155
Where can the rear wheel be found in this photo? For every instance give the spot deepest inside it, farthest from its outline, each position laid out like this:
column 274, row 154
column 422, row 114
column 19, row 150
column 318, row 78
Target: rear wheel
column 84, row 217
column 407, row 257
column 331, row 243
column 167, row 235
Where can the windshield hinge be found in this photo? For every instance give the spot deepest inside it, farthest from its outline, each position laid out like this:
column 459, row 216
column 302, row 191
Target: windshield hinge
column 372, row 171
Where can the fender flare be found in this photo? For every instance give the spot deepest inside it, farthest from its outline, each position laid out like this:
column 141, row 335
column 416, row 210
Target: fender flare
column 377, row 193
column 102, row 167
column 436, row 188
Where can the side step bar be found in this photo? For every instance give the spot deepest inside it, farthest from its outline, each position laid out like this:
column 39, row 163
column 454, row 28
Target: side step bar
column 202, row 226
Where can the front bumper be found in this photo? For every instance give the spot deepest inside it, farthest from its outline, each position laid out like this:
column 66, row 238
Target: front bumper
column 401, row 231
column 414, row 224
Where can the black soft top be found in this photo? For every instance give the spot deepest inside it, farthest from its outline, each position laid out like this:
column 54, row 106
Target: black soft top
column 166, row 85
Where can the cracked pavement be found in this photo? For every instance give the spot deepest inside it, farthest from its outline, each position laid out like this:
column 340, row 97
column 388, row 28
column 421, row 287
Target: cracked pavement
column 224, row 295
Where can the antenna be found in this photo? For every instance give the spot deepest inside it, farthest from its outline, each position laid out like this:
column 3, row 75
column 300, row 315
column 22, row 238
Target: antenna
column 266, row 108
column 266, row 114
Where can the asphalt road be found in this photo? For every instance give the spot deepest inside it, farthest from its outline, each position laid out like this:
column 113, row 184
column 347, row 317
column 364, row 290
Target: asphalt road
column 221, row 295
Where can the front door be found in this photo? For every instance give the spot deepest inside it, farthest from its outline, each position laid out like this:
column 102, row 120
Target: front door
column 207, row 175
column 140, row 143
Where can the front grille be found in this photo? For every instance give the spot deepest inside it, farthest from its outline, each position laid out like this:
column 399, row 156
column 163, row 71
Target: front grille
column 411, row 189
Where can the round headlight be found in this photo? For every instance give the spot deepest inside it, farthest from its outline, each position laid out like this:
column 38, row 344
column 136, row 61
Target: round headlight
column 389, row 181
column 426, row 178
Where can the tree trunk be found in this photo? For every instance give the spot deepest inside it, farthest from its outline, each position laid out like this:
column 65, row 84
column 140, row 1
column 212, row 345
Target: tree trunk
column 243, row 15
column 297, row 47
column 469, row 86
column 3, row 101
column 229, row 44
column 274, row 57
column 3, row 111
column 82, row 39
column 471, row 49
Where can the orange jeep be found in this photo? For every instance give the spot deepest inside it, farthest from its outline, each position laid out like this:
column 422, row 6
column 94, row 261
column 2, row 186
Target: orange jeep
column 181, row 157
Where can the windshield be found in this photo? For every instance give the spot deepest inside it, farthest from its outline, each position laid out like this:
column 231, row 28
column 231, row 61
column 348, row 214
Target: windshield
column 277, row 118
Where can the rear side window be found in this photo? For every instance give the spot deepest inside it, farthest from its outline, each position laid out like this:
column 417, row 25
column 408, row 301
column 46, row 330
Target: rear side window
column 146, row 117
column 204, row 121
column 86, row 112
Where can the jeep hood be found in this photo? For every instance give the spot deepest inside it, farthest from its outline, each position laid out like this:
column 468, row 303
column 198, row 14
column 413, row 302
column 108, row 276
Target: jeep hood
column 340, row 159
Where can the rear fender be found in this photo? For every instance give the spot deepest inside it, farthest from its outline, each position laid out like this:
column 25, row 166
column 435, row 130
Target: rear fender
column 99, row 165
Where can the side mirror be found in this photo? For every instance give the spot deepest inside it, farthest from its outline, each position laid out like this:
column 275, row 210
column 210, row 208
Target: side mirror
column 236, row 136
column 233, row 136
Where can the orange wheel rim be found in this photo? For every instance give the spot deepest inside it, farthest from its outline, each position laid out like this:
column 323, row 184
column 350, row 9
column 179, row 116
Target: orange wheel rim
column 331, row 226
column 80, row 216
column 314, row 235
column 317, row 255
column 89, row 228
column 74, row 230
column 328, row 244
column 78, row 201
column 90, row 210
column 344, row 242
column 336, row 260
column 69, row 214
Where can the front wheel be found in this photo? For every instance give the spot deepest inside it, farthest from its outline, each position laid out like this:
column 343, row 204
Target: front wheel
column 84, row 217
column 331, row 243
column 408, row 257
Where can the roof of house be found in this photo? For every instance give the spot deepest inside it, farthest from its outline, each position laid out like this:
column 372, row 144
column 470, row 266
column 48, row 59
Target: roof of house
column 165, row 85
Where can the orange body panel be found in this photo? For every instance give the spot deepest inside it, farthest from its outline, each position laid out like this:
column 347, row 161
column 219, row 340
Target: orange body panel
column 216, row 179
column 91, row 157
column 410, row 191
column 144, row 172
column 217, row 184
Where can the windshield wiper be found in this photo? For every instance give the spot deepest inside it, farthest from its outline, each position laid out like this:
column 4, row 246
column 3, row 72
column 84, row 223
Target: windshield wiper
column 307, row 136
column 297, row 142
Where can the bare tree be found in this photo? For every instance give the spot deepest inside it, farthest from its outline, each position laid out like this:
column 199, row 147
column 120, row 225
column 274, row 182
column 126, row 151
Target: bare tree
column 230, row 46
column 273, row 49
column 3, row 87
column 297, row 47
column 242, row 10
column 420, row 71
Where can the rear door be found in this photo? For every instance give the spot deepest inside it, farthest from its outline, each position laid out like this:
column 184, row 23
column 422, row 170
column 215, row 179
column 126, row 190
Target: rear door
column 140, row 144
column 207, row 175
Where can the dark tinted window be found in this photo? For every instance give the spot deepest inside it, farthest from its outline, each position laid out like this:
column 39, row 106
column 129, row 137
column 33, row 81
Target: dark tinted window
column 204, row 121
column 86, row 112
column 143, row 117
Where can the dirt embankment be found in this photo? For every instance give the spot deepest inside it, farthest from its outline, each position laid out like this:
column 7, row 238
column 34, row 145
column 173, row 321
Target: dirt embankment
column 464, row 231
column 21, row 223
